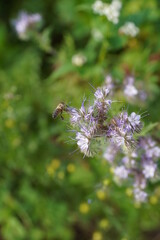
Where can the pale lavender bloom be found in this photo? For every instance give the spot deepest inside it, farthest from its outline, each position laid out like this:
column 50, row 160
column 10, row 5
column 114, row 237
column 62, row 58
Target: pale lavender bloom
column 149, row 169
column 88, row 116
column 75, row 116
column 130, row 91
column 151, row 150
column 140, row 196
column 82, row 109
column 134, row 119
column 142, row 95
column 128, row 162
column 109, row 82
column 121, row 172
column 140, row 180
column 24, row 22
column 101, row 93
column 83, row 143
column 118, row 140
column 121, row 132
column 111, row 152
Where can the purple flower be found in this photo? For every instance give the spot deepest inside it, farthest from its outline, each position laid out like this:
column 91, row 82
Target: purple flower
column 110, row 152
column 130, row 91
column 24, row 22
column 140, row 196
column 75, row 116
column 134, row 119
column 101, row 93
column 149, row 169
column 121, row 172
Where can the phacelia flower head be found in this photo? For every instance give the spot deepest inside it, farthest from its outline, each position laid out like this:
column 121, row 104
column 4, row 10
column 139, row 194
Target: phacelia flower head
column 140, row 195
column 121, row 172
column 99, row 129
column 84, row 143
column 26, row 22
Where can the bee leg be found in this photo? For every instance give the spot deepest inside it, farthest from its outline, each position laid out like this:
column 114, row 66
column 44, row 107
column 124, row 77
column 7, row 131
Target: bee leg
column 62, row 117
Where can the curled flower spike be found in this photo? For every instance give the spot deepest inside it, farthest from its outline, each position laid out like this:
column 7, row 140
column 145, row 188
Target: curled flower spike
column 99, row 130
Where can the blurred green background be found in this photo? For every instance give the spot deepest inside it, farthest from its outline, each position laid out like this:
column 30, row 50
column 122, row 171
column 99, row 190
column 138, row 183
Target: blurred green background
column 46, row 191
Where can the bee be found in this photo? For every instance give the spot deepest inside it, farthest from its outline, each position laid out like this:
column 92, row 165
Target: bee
column 59, row 110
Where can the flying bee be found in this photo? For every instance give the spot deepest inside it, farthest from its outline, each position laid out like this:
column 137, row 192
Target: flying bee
column 59, row 110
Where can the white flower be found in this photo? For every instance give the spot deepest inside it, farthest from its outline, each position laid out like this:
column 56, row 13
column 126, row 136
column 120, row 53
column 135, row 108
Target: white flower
column 130, row 29
column 140, row 196
column 83, row 143
column 79, row 60
column 97, row 35
column 149, row 170
column 111, row 11
column 130, row 90
column 98, row 7
column 134, row 119
column 24, row 22
column 121, row 172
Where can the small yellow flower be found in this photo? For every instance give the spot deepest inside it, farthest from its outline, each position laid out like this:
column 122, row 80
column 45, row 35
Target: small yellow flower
column 157, row 191
column 24, row 126
column 9, row 123
column 137, row 205
column 153, row 200
column 97, row 236
column 16, row 142
column 106, row 182
column 50, row 170
column 129, row 192
column 60, row 175
column 101, row 194
column 55, row 163
column 5, row 104
column 84, row 208
column 104, row 223
column 71, row 168
column 111, row 170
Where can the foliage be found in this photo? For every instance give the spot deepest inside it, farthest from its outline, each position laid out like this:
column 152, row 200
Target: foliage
column 46, row 191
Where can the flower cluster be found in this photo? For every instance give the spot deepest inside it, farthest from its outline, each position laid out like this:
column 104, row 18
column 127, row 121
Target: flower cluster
column 131, row 91
column 98, row 129
column 25, row 22
column 96, row 124
column 111, row 11
column 129, row 29
column 139, row 165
